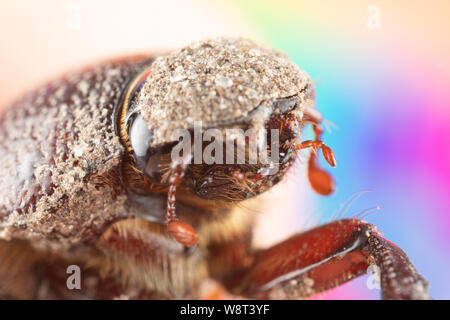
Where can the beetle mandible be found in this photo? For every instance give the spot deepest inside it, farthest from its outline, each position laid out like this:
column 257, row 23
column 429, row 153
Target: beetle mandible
column 89, row 179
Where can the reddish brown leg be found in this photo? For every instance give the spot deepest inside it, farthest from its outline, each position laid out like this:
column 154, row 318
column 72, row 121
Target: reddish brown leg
column 323, row 258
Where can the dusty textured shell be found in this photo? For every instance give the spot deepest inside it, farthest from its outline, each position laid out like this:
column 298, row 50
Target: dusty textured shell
column 216, row 82
column 60, row 158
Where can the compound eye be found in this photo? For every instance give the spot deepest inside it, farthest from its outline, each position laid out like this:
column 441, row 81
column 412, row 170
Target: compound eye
column 153, row 162
column 140, row 138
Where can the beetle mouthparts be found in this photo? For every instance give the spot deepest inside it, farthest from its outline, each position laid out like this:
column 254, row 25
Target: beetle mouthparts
column 321, row 181
column 182, row 232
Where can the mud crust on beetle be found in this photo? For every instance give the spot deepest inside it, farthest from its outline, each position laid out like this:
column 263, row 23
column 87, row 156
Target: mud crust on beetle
column 60, row 158
column 216, row 82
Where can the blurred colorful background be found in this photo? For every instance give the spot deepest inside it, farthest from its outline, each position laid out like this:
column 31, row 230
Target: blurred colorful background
column 382, row 75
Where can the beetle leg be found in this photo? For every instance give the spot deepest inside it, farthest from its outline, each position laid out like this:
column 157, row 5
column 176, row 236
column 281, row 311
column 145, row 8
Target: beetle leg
column 323, row 258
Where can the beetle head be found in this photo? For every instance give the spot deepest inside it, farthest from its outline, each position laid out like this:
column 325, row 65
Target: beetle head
column 210, row 90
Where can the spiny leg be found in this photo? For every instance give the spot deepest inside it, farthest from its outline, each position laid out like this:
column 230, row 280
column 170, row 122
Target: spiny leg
column 323, row 258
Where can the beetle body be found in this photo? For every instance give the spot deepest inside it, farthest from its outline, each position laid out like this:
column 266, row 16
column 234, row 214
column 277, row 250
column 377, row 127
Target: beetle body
column 88, row 180
column 60, row 152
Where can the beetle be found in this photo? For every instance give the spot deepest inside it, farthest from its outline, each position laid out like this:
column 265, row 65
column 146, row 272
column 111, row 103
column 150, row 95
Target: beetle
column 89, row 179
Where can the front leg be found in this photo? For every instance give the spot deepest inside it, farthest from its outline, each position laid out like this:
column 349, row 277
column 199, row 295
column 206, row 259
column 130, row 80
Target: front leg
column 325, row 257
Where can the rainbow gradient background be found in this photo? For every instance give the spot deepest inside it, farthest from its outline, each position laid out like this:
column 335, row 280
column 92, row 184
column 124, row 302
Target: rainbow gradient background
column 386, row 91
